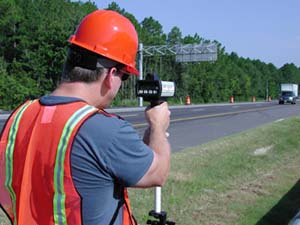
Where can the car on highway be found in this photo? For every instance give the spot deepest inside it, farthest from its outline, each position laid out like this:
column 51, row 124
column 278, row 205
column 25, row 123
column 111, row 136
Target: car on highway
column 287, row 97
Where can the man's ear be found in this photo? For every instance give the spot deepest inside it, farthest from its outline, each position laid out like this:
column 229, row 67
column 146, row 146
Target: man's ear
column 108, row 81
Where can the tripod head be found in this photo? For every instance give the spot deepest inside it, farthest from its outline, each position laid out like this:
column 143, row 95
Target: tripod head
column 160, row 218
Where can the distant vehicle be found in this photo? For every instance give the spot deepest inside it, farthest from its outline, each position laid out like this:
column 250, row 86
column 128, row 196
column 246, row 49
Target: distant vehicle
column 289, row 93
column 287, row 97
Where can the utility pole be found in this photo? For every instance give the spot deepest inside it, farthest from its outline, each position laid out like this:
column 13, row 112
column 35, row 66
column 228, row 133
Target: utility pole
column 267, row 90
column 140, row 100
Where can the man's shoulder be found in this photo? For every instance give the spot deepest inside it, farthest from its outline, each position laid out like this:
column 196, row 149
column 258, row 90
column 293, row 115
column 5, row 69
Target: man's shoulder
column 104, row 125
column 57, row 100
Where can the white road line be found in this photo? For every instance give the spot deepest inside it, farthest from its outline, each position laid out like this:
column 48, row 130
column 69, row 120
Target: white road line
column 279, row 120
column 128, row 115
column 4, row 117
column 197, row 110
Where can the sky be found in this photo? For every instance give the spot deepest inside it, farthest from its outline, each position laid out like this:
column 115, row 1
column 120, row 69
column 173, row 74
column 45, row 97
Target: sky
column 268, row 30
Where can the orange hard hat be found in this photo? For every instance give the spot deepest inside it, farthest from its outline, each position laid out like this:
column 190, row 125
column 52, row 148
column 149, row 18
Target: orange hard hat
column 109, row 34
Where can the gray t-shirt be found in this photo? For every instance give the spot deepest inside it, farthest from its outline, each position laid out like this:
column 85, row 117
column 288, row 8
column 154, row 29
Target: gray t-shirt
column 107, row 155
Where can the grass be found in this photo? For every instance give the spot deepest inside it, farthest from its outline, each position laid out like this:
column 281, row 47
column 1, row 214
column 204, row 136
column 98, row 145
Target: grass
column 226, row 182
column 251, row 178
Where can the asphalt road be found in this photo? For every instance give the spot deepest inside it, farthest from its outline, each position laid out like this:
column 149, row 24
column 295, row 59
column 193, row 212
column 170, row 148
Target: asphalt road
column 194, row 132
column 197, row 124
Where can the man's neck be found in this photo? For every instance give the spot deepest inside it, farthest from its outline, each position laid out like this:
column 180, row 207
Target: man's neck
column 89, row 92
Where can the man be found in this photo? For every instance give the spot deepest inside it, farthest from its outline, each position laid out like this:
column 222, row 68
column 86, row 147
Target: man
column 63, row 159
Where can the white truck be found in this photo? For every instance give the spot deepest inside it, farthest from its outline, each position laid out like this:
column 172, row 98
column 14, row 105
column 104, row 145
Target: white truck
column 288, row 94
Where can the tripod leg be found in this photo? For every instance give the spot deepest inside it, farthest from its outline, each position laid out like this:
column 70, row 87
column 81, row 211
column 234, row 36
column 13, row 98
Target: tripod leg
column 157, row 199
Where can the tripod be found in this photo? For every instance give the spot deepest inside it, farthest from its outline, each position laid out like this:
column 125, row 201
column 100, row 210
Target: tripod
column 160, row 217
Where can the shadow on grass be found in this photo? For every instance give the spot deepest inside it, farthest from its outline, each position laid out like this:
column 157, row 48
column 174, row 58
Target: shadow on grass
column 287, row 207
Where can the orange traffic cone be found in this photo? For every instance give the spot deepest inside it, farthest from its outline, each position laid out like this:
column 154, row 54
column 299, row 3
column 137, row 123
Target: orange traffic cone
column 187, row 100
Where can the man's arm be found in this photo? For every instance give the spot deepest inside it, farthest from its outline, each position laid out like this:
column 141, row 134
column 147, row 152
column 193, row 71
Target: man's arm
column 155, row 136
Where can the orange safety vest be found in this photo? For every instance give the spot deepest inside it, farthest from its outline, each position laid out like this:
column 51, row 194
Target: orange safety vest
column 36, row 185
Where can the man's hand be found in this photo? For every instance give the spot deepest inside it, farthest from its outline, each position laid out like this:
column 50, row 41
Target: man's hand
column 158, row 117
column 155, row 136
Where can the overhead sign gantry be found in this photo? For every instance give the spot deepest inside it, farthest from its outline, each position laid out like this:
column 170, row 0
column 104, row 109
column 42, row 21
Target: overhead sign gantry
column 205, row 52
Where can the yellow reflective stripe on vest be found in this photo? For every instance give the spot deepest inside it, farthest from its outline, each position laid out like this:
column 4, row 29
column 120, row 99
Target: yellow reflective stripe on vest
column 9, row 152
column 59, row 192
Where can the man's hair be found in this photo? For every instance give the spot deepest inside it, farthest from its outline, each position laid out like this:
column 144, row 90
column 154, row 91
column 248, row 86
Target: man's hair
column 85, row 66
column 75, row 73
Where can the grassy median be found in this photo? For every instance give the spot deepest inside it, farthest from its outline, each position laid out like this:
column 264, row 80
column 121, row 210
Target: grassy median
column 251, row 178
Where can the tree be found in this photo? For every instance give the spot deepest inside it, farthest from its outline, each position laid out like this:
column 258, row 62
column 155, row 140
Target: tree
column 174, row 37
column 9, row 25
column 152, row 32
column 196, row 39
column 289, row 73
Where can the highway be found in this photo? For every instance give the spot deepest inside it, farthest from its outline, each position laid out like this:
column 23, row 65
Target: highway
column 197, row 124
column 194, row 112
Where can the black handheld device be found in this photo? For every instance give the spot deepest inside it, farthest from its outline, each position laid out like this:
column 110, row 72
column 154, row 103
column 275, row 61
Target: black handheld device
column 153, row 90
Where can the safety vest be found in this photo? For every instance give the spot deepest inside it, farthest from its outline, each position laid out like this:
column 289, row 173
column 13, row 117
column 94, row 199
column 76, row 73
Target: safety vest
column 36, row 186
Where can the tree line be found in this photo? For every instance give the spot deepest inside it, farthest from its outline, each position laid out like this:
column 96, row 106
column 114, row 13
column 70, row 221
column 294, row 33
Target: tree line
column 33, row 42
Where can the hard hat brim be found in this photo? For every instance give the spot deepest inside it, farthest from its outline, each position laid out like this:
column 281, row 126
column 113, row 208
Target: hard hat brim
column 130, row 70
